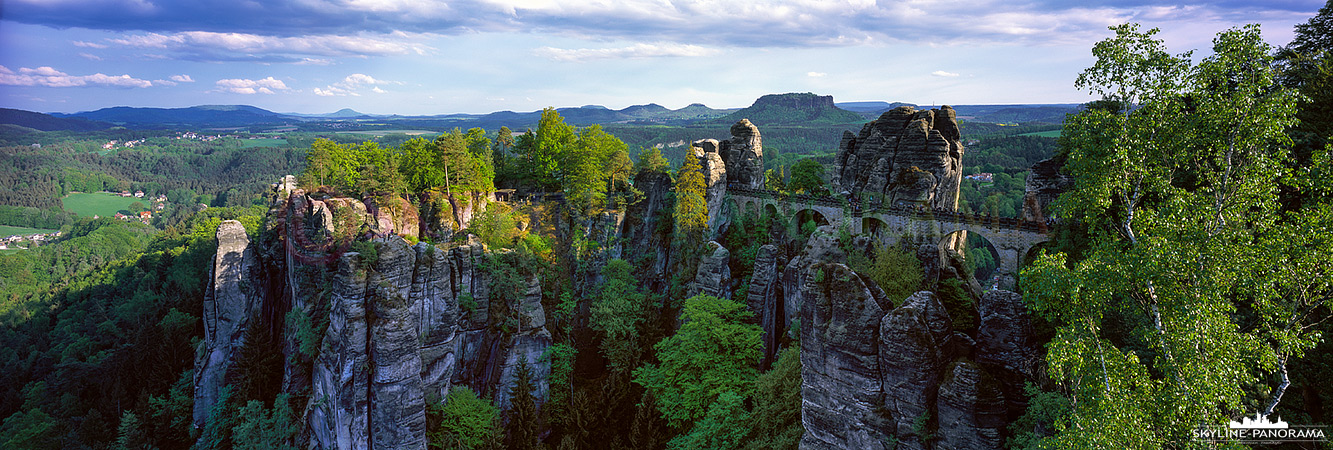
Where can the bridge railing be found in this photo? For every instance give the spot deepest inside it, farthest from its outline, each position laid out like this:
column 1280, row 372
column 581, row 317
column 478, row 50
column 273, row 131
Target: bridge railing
column 913, row 211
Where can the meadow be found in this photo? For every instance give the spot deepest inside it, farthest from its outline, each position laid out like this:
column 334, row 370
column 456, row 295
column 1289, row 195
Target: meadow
column 6, row 230
column 99, row 203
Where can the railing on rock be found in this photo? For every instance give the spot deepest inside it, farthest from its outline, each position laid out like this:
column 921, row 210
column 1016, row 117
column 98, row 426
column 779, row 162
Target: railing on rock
column 916, row 212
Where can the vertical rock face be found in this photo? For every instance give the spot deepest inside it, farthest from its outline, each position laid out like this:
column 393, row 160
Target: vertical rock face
column 715, row 177
column 1044, row 184
column 906, row 156
column 341, row 376
column 840, row 364
column 230, row 305
column 744, row 155
column 714, row 275
column 639, row 230
column 397, row 398
column 971, row 408
column 914, row 338
column 761, row 298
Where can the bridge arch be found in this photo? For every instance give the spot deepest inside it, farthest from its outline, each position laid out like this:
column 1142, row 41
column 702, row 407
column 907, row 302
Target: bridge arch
column 977, row 250
column 806, row 215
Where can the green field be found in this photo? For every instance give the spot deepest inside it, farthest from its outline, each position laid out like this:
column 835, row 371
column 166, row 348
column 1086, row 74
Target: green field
column 99, row 203
column 6, row 231
column 253, row 143
column 1051, row 133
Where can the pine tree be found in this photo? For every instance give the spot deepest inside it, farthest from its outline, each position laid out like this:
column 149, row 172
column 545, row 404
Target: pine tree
column 522, row 414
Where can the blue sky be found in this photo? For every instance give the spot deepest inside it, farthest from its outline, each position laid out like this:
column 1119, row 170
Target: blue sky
column 441, row 56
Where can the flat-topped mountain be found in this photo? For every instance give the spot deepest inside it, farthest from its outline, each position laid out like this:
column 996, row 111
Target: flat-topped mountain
column 791, row 109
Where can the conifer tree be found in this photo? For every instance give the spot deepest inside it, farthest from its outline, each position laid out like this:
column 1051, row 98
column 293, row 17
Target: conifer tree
column 522, row 414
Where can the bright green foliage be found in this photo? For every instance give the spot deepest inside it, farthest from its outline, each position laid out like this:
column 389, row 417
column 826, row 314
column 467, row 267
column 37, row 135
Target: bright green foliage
column 465, row 168
column 544, row 153
column 1176, row 190
column 775, row 179
column 496, row 226
column 651, row 160
column 584, row 168
column 261, row 428
column 691, row 211
column 617, row 313
column 419, row 165
column 723, row 428
column 775, row 422
column 713, row 352
column 463, row 421
column 807, row 177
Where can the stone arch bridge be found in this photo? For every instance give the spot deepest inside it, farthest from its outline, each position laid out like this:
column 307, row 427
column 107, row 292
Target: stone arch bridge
column 1012, row 238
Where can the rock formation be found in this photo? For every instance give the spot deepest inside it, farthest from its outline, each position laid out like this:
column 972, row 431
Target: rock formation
column 230, row 305
column 1044, row 184
column 904, row 157
column 714, row 274
column 405, row 323
column 715, row 178
column 744, row 155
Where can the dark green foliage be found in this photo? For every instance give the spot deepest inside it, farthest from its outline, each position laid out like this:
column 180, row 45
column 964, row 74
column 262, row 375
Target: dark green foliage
column 715, row 351
column 117, row 335
column 775, row 422
column 896, row 271
column 462, row 421
column 618, row 313
column 261, row 428
column 521, row 418
column 1039, row 421
column 960, row 304
column 369, row 251
column 723, row 427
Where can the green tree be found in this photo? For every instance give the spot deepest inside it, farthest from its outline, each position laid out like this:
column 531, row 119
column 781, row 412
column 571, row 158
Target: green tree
column 545, row 152
column 691, row 210
column 775, row 422
column 651, row 160
column 421, row 171
column 807, row 176
column 583, row 168
column 617, row 314
column 462, row 421
column 723, row 428
column 714, row 352
column 261, row 428
column 522, row 414
column 1175, row 213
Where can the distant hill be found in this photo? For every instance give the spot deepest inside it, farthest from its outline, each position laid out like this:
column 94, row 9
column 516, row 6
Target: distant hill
column 1048, row 113
column 207, row 115
column 793, row 109
column 45, row 122
column 870, row 110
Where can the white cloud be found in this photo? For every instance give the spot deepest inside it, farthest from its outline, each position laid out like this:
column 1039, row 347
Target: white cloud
column 350, row 84
column 815, row 74
column 941, row 73
column 88, row 44
column 252, row 45
column 182, row 78
column 244, row 86
column 658, row 50
column 90, row 56
column 50, row 77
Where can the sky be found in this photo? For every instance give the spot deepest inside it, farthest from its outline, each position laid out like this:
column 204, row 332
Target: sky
column 422, row 57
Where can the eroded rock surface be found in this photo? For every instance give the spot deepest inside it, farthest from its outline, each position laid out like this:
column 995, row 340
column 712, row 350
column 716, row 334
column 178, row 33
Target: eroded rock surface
column 1045, row 183
column 744, row 155
column 904, row 157
column 230, row 305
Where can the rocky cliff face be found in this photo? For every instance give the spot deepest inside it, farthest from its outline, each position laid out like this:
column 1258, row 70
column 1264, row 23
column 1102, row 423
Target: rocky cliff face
column 873, row 374
column 231, row 304
column 744, row 155
column 405, row 323
column 904, row 157
column 1044, row 184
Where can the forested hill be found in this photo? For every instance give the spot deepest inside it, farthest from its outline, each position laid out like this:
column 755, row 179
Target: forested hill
column 45, row 122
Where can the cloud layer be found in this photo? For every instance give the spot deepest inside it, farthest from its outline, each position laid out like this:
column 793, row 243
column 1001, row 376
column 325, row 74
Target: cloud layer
column 376, row 27
column 243, row 86
column 50, row 77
